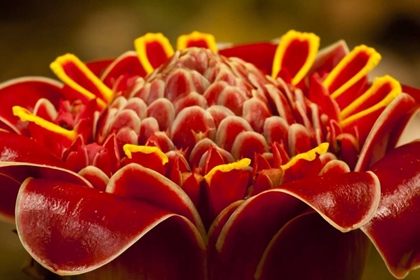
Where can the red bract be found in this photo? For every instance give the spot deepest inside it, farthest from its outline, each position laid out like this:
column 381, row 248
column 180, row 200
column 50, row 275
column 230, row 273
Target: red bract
column 196, row 164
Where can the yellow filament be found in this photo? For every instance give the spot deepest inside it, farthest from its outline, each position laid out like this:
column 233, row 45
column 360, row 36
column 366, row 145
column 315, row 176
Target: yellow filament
column 57, row 68
column 285, row 41
column 141, row 43
column 373, row 60
column 27, row 116
column 183, row 40
column 227, row 167
column 377, row 84
column 308, row 156
column 129, row 149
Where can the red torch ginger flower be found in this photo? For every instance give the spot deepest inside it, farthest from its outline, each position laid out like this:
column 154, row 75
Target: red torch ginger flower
column 259, row 161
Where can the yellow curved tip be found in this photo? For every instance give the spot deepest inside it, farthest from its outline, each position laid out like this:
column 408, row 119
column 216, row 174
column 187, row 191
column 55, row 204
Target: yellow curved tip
column 285, row 42
column 396, row 90
column 308, row 156
column 57, row 66
column 227, row 167
column 27, row 116
column 141, row 43
column 183, row 40
column 378, row 83
column 129, row 149
column 374, row 59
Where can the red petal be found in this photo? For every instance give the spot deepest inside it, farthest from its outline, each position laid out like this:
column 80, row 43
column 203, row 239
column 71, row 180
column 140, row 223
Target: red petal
column 146, row 185
column 385, row 132
column 346, row 201
column 248, row 231
column 394, row 229
column 16, row 148
column 214, row 233
column 315, row 250
column 225, row 188
column 71, row 230
column 169, row 251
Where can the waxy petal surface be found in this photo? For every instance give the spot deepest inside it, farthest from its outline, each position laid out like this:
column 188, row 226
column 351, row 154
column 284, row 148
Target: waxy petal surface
column 241, row 241
column 146, row 185
column 333, row 196
column 81, row 228
column 293, row 254
column 395, row 229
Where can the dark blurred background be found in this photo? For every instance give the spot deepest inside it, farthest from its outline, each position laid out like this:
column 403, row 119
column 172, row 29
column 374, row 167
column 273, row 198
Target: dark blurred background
column 34, row 33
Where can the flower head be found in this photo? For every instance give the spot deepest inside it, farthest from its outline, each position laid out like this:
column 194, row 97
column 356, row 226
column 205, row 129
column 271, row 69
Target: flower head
column 207, row 163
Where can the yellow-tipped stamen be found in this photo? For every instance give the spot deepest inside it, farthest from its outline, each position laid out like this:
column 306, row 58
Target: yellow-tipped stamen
column 141, row 47
column 27, row 116
column 184, row 41
column 373, row 60
column 377, row 85
column 308, row 156
column 58, row 69
column 383, row 103
column 245, row 162
column 129, row 149
column 286, row 40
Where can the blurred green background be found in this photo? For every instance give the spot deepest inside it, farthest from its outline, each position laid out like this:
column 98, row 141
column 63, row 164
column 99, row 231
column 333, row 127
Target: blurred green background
column 34, row 33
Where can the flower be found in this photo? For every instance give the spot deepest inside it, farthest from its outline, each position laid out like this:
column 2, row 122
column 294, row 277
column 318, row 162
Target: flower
column 257, row 161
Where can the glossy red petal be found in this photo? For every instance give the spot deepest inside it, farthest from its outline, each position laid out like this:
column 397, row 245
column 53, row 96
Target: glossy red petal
column 71, row 229
column 333, row 196
column 146, row 185
column 394, row 229
column 213, row 234
column 248, row 231
column 158, row 255
column 221, row 194
column 20, row 158
column 309, row 248
column 386, row 131
column 16, row 148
